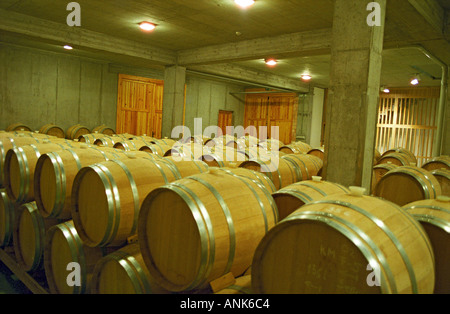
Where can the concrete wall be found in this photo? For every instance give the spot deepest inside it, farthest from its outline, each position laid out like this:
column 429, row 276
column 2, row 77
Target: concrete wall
column 446, row 132
column 205, row 97
column 37, row 88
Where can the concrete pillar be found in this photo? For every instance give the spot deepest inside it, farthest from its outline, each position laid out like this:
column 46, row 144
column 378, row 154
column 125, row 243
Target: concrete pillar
column 446, row 132
column 356, row 58
column 317, row 117
column 173, row 101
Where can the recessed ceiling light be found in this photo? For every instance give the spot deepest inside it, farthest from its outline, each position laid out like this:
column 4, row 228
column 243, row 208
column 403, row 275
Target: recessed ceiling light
column 306, row 77
column 147, row 26
column 67, row 47
column 271, row 62
column 244, row 3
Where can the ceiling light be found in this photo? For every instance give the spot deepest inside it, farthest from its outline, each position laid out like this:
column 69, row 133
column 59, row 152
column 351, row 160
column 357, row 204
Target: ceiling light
column 306, row 77
column 385, row 90
column 67, row 47
column 147, row 26
column 271, row 62
column 415, row 80
column 244, row 3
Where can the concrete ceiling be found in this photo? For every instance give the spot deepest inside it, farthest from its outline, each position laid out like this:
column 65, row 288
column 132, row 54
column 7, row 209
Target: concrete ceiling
column 191, row 27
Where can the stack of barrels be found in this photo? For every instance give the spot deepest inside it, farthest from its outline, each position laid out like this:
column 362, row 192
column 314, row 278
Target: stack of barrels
column 136, row 214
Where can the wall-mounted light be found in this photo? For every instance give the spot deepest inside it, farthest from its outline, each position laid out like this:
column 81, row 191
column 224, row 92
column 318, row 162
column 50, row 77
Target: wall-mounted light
column 271, row 62
column 244, row 3
column 147, row 26
column 385, row 90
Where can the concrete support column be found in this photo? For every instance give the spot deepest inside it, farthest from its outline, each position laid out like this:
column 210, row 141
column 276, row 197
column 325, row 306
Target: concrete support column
column 446, row 131
column 173, row 101
column 356, row 59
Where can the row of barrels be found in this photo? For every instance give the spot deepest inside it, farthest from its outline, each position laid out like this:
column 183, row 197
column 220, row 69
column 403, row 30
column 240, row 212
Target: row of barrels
column 48, row 171
column 212, row 222
column 73, row 132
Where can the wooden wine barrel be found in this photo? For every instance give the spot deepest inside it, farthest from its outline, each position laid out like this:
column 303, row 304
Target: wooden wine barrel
column 345, row 244
column 106, row 197
column 186, row 168
column 224, row 157
column 307, row 165
column 411, row 157
column 10, row 142
column 52, row 129
column 7, row 214
column 294, row 196
column 55, row 172
column 246, row 142
column 437, row 163
column 221, row 141
column 107, row 141
column 296, row 148
column 103, row 129
column 443, row 177
column 379, row 171
column 271, row 144
column 157, row 149
column 279, row 170
column 29, row 233
column 18, row 127
column 434, row 215
column 124, row 272
column 132, row 145
column 165, row 141
column 318, row 152
column 189, row 151
column 91, row 138
column 76, row 131
column 62, row 247
column 20, row 164
column 200, row 228
column 257, row 177
column 243, row 285
column 398, row 159
column 407, row 184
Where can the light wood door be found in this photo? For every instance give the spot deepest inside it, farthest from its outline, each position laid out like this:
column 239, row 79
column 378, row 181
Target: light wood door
column 139, row 106
column 225, row 119
column 272, row 110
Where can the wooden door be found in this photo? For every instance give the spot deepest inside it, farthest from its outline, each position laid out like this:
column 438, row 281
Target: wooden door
column 139, row 106
column 225, row 119
column 272, row 110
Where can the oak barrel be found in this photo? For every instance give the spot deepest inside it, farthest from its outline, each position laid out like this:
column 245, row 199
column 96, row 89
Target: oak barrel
column 318, row 152
column 52, row 129
column 345, row 244
column 200, row 228
column 20, row 164
column 75, row 131
column 296, row 148
column 407, row 184
column 437, row 163
column 103, row 129
column 443, row 177
column 379, row 171
column 256, row 176
column 294, row 196
column 279, row 170
column 55, row 172
column 29, row 233
column 9, row 142
column 243, row 285
column 107, row 196
column 400, row 150
column 18, row 127
column 396, row 158
column 62, row 247
column 434, row 215
column 7, row 214
column 124, row 272
column 307, row 165
column 90, row 138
